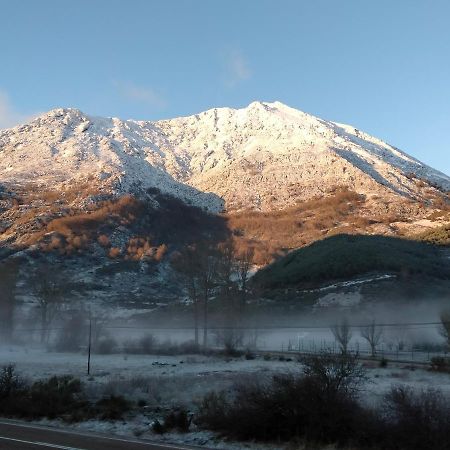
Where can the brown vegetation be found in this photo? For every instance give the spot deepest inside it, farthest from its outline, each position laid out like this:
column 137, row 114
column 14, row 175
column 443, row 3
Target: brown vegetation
column 272, row 233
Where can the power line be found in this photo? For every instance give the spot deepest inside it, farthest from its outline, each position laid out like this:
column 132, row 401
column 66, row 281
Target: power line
column 262, row 327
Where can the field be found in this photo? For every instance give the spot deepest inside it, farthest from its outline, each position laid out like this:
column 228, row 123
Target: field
column 165, row 382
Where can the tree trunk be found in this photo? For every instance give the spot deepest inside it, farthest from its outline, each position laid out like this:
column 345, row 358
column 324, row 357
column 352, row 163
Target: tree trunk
column 196, row 322
column 205, row 321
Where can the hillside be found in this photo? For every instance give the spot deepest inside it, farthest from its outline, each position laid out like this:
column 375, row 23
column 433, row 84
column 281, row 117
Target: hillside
column 110, row 200
column 345, row 257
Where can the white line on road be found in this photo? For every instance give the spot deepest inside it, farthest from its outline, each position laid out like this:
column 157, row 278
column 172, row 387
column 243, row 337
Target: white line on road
column 95, row 435
column 41, row 444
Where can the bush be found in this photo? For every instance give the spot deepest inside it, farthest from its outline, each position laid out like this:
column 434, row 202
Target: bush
column 59, row 397
column 106, row 346
column 56, row 397
column 13, row 392
column 417, row 420
column 10, row 382
column 319, row 406
column 148, row 344
column 440, row 364
column 249, row 355
column 112, row 407
column 177, row 419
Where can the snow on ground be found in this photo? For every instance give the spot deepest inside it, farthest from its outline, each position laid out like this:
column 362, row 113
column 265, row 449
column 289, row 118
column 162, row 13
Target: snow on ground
column 174, row 381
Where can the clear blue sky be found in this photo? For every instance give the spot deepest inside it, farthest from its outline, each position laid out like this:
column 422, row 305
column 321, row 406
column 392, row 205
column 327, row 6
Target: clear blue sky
column 383, row 66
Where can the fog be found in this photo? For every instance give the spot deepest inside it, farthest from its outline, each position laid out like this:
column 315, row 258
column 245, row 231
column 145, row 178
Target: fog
column 404, row 327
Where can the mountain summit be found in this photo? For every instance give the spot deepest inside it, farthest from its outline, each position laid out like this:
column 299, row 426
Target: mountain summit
column 264, row 157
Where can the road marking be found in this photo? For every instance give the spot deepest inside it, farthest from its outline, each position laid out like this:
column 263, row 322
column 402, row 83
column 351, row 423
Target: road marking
column 94, row 435
column 41, row 444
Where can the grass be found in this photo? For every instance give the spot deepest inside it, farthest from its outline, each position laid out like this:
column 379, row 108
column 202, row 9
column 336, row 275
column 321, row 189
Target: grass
column 347, row 256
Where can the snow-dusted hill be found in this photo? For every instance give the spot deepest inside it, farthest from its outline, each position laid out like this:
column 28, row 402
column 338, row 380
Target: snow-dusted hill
column 266, row 156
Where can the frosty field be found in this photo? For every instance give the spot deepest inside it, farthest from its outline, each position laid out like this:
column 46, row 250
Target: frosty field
column 165, row 382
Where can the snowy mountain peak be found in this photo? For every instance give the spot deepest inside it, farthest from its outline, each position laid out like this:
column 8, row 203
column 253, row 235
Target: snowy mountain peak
column 266, row 156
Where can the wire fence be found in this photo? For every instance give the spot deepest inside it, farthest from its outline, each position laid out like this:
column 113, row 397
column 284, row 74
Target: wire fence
column 275, row 338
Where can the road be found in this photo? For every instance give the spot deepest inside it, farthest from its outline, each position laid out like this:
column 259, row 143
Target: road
column 19, row 436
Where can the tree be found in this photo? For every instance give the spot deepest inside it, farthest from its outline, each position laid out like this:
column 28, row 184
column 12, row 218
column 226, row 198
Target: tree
column 343, row 334
column 444, row 327
column 244, row 261
column 208, row 266
column 8, row 278
column 232, row 279
column 52, row 290
column 372, row 334
column 199, row 266
column 186, row 264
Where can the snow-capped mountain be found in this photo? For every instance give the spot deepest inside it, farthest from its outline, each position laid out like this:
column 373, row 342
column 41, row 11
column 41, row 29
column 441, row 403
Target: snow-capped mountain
column 266, row 156
column 63, row 176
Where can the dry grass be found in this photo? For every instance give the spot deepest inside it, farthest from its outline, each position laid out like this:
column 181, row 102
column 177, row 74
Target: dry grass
column 272, row 233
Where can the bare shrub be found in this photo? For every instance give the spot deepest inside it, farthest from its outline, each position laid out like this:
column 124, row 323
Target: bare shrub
column 417, row 421
column 319, row 406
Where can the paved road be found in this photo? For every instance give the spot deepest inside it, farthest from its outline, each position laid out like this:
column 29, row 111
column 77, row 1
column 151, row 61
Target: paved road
column 17, row 436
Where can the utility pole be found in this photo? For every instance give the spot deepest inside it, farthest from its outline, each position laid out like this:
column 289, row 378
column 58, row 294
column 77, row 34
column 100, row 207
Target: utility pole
column 89, row 345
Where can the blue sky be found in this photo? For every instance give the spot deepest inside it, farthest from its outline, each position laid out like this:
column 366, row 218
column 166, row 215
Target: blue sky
column 382, row 66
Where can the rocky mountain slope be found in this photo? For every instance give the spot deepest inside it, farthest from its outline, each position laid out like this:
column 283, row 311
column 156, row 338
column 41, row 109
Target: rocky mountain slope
column 263, row 157
column 110, row 199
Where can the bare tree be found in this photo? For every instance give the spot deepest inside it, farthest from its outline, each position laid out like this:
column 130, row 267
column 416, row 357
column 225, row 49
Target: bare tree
column 244, row 262
column 186, row 264
column 444, row 327
column 208, row 267
column 199, row 266
column 49, row 295
column 372, row 334
column 343, row 334
column 8, row 278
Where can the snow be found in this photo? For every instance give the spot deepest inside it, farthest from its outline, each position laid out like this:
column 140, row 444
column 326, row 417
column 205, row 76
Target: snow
column 213, row 159
column 165, row 382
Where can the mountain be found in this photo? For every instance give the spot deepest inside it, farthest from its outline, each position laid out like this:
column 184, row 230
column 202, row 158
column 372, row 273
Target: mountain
column 223, row 151
column 109, row 200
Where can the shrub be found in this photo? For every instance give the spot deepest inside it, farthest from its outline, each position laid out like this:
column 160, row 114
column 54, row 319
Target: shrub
column 249, row 355
column 55, row 397
column 417, row 420
column 158, row 427
column 148, row 343
column 112, row 407
column 213, row 411
column 13, row 392
column 177, row 419
column 10, row 382
column 440, row 364
column 319, row 406
column 106, row 346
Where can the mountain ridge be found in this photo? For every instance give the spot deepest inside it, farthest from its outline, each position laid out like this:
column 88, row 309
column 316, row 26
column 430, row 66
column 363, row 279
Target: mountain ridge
column 110, row 202
column 213, row 159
